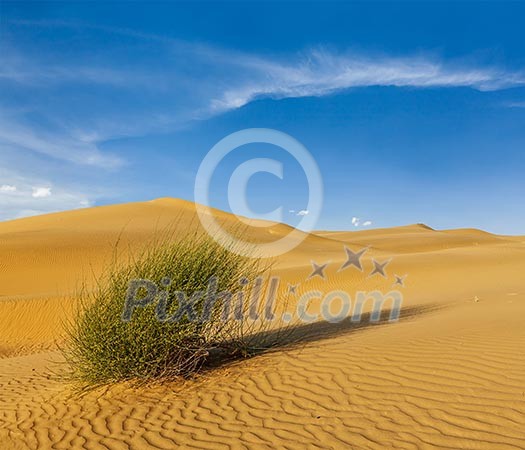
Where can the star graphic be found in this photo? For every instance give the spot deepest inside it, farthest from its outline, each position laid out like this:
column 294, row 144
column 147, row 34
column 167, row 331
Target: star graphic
column 400, row 280
column 292, row 288
column 318, row 270
column 379, row 267
column 353, row 259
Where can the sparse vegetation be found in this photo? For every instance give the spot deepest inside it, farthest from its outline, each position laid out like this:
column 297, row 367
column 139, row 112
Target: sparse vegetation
column 103, row 348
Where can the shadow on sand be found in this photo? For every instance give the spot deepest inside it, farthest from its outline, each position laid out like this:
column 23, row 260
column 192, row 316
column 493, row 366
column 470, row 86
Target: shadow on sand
column 262, row 342
column 299, row 335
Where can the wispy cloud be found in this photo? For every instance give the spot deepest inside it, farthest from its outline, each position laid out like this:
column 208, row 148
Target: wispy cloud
column 318, row 73
column 220, row 80
column 515, row 105
column 55, row 142
column 22, row 71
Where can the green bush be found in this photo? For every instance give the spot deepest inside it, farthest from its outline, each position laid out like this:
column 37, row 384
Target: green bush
column 103, row 348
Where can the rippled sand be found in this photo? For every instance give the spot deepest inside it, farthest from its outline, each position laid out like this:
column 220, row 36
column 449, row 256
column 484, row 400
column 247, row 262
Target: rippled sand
column 449, row 374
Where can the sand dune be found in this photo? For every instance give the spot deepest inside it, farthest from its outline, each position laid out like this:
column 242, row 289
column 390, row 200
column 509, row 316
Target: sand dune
column 449, row 374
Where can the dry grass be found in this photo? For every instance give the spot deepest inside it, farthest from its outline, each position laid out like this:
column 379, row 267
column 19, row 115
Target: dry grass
column 102, row 348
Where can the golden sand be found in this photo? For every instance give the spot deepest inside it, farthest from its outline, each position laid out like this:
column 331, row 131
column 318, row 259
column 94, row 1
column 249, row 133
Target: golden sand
column 449, row 374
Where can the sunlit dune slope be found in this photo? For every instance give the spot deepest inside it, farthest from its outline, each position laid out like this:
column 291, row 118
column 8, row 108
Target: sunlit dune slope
column 416, row 238
column 449, row 374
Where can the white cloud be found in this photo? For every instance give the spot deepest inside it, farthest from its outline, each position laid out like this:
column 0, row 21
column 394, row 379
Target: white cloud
column 303, row 212
column 41, row 192
column 29, row 200
column 7, row 188
column 356, row 222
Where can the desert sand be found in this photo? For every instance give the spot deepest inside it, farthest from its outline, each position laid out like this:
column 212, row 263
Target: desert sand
column 449, row 374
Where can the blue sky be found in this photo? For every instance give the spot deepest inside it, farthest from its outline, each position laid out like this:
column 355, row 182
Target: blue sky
column 414, row 112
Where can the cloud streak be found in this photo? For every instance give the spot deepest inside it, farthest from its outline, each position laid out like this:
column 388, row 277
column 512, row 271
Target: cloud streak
column 56, row 143
column 219, row 80
column 515, row 105
column 319, row 73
